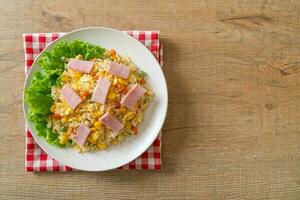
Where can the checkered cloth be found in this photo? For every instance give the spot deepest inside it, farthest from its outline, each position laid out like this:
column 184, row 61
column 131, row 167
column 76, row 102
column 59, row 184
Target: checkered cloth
column 35, row 158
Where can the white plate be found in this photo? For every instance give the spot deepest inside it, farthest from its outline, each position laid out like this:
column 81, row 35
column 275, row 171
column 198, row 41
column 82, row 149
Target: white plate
column 121, row 154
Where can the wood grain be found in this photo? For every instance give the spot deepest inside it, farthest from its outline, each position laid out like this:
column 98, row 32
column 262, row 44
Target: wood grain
column 233, row 125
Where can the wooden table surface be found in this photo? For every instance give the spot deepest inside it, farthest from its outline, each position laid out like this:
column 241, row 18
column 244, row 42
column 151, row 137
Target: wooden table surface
column 233, row 124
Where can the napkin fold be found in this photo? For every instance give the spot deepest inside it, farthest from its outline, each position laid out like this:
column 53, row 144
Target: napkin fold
column 35, row 158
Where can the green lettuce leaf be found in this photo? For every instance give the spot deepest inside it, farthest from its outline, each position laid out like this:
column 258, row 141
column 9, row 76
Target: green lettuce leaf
column 53, row 63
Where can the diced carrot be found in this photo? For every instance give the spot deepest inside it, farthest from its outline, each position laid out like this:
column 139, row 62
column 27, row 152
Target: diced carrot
column 118, row 105
column 121, row 89
column 84, row 94
column 142, row 81
column 94, row 73
column 112, row 52
column 125, row 90
column 134, row 130
column 120, row 86
column 56, row 116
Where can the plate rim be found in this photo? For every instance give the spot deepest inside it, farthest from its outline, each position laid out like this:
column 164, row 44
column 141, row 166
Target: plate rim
column 34, row 135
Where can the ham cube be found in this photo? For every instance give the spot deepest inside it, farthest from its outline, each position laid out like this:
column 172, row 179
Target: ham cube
column 70, row 96
column 111, row 122
column 118, row 70
column 81, row 65
column 83, row 132
column 134, row 94
column 101, row 90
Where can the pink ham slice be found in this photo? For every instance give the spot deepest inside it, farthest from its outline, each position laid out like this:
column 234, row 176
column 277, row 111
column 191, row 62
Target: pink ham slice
column 80, row 65
column 111, row 122
column 134, row 94
column 83, row 132
column 70, row 96
column 101, row 90
column 118, row 70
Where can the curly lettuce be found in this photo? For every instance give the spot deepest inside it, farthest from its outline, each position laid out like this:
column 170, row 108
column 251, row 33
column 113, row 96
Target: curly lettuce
column 53, row 63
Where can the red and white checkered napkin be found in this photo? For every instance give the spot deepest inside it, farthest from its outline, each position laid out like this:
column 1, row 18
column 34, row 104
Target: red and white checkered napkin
column 36, row 159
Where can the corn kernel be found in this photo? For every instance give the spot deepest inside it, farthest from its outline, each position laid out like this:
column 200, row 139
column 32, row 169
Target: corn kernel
column 63, row 138
column 102, row 146
column 111, row 96
column 78, row 147
column 68, row 111
column 91, row 81
column 77, row 75
column 97, row 124
column 122, row 81
column 52, row 109
column 64, row 78
column 110, row 77
column 129, row 116
column 76, row 87
column 101, row 73
column 93, row 137
column 120, row 138
column 71, row 119
column 123, row 110
column 115, row 82
column 64, row 119
column 98, row 113
column 79, row 57
column 128, row 125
